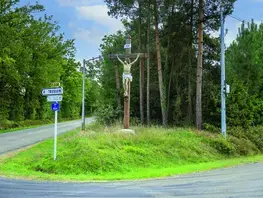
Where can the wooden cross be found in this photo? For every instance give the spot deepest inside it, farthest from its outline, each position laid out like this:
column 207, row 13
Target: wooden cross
column 127, row 56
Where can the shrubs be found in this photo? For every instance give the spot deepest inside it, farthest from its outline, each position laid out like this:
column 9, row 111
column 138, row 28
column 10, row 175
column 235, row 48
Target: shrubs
column 7, row 124
column 243, row 147
column 107, row 115
column 253, row 134
column 222, row 145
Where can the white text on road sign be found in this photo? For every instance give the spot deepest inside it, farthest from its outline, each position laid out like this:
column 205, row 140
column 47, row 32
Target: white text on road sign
column 54, row 98
column 52, row 91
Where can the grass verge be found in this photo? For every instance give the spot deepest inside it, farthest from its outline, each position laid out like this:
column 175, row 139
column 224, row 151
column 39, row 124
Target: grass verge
column 140, row 173
column 152, row 152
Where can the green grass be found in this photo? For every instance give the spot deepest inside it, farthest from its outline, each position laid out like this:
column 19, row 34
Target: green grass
column 152, row 152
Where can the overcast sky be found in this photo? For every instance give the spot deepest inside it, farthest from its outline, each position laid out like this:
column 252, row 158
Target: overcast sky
column 87, row 21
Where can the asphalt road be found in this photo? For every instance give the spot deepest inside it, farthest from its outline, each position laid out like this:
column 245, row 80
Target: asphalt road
column 19, row 139
column 242, row 181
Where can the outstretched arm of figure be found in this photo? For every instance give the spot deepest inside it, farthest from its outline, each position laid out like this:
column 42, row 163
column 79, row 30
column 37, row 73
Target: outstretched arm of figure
column 138, row 55
column 120, row 60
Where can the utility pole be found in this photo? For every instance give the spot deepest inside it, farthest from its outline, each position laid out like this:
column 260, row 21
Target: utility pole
column 83, row 94
column 223, row 77
column 83, row 89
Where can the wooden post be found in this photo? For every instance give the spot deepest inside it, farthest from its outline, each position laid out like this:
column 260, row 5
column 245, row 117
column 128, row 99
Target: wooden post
column 126, row 118
column 127, row 99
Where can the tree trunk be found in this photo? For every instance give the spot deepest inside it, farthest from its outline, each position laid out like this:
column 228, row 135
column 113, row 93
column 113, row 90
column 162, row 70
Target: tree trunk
column 169, row 89
column 118, row 86
column 142, row 90
column 159, row 64
column 199, row 68
column 168, row 73
column 189, row 109
column 148, row 65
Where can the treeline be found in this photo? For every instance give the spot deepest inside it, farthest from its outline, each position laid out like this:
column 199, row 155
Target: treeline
column 177, row 34
column 33, row 55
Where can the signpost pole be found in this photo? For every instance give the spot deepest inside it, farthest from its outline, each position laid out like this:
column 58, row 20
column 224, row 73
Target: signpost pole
column 55, row 135
column 54, row 95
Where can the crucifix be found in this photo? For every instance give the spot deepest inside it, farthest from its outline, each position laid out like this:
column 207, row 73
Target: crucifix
column 127, row 76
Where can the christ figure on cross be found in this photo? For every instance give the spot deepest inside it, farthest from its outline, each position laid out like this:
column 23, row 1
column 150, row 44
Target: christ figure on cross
column 126, row 76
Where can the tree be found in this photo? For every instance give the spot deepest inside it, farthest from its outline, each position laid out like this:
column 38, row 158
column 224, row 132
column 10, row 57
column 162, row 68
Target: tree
column 244, row 73
column 33, row 55
column 199, row 71
column 171, row 41
column 162, row 88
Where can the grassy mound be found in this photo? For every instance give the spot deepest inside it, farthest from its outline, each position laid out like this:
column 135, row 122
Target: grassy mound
column 101, row 155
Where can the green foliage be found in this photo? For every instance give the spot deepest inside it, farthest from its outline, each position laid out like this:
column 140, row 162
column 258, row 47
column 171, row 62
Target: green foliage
column 178, row 57
column 253, row 134
column 211, row 128
column 107, row 115
column 244, row 73
column 222, row 145
column 242, row 146
column 7, row 124
column 34, row 55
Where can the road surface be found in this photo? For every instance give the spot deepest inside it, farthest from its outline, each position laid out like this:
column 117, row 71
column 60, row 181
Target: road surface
column 19, row 139
column 238, row 182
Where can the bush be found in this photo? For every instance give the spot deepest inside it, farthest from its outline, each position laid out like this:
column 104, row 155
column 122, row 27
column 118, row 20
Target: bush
column 211, row 128
column 238, row 132
column 107, row 115
column 222, row 145
column 5, row 124
column 254, row 134
column 243, row 147
column 8, row 124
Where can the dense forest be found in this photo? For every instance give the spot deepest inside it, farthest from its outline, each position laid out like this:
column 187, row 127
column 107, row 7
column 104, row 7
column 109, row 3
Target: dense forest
column 178, row 85
column 33, row 56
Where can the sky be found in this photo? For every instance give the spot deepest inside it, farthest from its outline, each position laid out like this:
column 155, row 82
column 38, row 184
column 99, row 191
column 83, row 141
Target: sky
column 87, row 21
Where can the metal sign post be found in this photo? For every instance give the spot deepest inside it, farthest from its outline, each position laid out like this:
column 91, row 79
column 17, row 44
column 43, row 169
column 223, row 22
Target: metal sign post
column 54, row 95
column 55, row 135
column 55, row 107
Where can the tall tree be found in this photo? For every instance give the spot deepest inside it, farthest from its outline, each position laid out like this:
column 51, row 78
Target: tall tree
column 199, row 71
column 141, row 62
column 148, row 63
column 33, row 55
column 159, row 64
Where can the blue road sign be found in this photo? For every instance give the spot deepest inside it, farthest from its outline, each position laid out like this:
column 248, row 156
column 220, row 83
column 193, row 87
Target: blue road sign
column 55, row 106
